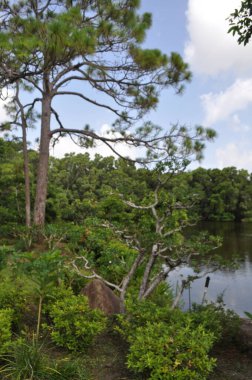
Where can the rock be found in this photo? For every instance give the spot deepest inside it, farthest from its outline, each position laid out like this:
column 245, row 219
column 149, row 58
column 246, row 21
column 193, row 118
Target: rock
column 244, row 335
column 100, row 296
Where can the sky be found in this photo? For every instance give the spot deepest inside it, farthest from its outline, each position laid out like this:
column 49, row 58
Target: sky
column 219, row 96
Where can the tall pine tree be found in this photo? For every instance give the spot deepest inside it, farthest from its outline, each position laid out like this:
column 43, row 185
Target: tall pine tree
column 52, row 44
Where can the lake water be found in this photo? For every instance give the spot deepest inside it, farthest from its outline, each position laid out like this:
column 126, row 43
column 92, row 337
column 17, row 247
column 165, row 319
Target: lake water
column 234, row 285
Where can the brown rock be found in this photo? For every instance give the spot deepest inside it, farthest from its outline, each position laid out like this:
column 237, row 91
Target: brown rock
column 100, row 296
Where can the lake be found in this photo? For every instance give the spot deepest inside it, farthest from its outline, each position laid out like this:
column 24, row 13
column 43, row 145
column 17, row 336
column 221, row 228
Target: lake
column 234, row 285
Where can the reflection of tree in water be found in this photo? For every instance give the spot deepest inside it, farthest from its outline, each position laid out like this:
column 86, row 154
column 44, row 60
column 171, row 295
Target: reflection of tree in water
column 237, row 239
column 233, row 286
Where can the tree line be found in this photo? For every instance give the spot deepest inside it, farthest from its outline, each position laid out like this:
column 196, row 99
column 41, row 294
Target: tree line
column 81, row 187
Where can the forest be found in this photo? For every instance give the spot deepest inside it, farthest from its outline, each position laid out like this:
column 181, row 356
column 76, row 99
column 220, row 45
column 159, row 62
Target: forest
column 87, row 245
column 80, row 188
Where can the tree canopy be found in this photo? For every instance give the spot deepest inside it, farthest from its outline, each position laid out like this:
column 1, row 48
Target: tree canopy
column 81, row 187
column 240, row 22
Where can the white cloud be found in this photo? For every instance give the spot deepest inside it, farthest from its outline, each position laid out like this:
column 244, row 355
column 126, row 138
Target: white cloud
column 238, row 155
column 3, row 100
column 220, row 106
column 210, row 49
column 66, row 145
column 3, row 115
column 238, row 126
column 2, row 112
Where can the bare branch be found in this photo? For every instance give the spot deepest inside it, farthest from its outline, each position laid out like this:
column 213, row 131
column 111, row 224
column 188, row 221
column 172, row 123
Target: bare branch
column 133, row 205
column 186, row 282
column 94, row 102
column 161, row 276
column 148, row 269
column 93, row 275
column 57, row 118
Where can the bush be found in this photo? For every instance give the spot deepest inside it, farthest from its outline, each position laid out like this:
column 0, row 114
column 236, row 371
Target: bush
column 74, row 324
column 12, row 294
column 139, row 313
column 172, row 351
column 5, row 251
column 223, row 323
column 115, row 260
column 6, row 317
column 165, row 344
column 27, row 361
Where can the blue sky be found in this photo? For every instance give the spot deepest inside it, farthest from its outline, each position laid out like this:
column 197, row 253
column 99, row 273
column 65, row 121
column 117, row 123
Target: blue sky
column 219, row 96
column 220, row 93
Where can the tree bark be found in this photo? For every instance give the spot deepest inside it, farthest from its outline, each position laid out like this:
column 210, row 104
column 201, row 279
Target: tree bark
column 27, row 178
column 156, row 281
column 179, row 294
column 26, row 160
column 42, row 174
column 128, row 277
column 147, row 271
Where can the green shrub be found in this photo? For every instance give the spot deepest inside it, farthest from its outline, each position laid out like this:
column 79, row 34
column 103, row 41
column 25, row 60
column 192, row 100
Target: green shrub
column 139, row 313
column 115, row 260
column 27, row 361
column 5, row 251
column 74, row 324
column 171, row 351
column 12, row 294
column 223, row 323
column 7, row 229
column 165, row 344
column 6, row 317
column 24, row 236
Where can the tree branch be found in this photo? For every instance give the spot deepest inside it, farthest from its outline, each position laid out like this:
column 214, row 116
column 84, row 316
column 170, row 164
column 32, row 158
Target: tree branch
column 93, row 275
column 90, row 101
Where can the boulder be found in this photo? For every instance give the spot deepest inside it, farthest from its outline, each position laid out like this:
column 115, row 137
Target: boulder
column 100, row 296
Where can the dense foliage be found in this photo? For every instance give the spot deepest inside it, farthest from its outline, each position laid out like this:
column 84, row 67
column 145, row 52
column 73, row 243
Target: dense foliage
column 165, row 344
column 223, row 195
column 80, row 187
column 6, row 316
column 171, row 351
column 74, row 324
column 112, row 220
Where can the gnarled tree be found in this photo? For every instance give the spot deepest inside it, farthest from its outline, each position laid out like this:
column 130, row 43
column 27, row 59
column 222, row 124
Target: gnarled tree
column 157, row 233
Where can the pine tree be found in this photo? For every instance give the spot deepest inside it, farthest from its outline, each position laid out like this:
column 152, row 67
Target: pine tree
column 52, row 44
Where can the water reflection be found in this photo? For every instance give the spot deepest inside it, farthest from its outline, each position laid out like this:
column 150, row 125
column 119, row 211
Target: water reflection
column 234, row 285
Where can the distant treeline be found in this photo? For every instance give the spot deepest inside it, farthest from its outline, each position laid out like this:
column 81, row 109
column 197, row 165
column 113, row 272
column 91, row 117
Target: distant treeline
column 80, row 187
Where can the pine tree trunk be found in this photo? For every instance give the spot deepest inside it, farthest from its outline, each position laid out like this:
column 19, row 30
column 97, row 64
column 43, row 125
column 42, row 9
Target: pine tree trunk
column 42, row 174
column 27, row 178
column 26, row 160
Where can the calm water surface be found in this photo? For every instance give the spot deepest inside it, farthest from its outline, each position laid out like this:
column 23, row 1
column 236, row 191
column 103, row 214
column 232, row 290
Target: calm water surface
column 235, row 285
